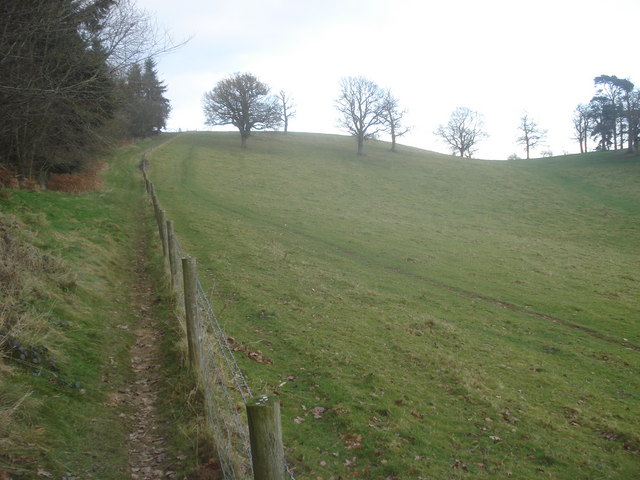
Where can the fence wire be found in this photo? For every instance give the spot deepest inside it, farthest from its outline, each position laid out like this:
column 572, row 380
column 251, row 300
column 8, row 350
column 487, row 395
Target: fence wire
column 225, row 388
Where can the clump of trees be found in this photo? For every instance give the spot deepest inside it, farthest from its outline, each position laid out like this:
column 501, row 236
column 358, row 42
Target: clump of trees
column 366, row 110
column 63, row 67
column 611, row 118
column 144, row 107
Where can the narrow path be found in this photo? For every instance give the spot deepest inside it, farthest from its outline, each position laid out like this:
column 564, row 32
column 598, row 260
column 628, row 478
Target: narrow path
column 146, row 445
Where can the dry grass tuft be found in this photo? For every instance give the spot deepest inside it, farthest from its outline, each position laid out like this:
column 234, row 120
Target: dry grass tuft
column 77, row 182
column 8, row 178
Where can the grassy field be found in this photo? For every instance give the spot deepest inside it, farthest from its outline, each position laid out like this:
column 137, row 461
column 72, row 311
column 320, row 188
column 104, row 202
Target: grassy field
column 427, row 316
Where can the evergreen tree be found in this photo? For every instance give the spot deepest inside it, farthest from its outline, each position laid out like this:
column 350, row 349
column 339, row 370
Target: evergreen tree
column 145, row 109
column 55, row 89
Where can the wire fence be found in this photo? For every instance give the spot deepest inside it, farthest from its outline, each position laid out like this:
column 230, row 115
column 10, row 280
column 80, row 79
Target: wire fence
column 225, row 389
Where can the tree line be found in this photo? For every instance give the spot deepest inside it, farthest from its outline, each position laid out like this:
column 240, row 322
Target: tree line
column 612, row 117
column 365, row 109
column 244, row 101
column 74, row 76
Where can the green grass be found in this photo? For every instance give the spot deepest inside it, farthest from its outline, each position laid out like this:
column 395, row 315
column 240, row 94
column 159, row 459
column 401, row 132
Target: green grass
column 84, row 316
column 455, row 318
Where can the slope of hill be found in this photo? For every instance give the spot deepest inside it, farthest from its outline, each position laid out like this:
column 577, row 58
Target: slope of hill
column 449, row 318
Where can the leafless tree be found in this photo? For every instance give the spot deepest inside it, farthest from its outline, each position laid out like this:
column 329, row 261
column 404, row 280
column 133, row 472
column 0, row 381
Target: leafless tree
column 243, row 101
column 288, row 109
column 463, row 131
column 361, row 104
column 128, row 35
column 582, row 124
column 532, row 135
column 393, row 116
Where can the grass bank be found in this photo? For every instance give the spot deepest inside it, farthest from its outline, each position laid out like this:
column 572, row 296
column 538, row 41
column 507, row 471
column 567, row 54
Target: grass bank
column 71, row 311
column 427, row 316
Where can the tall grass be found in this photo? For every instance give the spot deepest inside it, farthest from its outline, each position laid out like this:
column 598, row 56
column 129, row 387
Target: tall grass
column 427, row 316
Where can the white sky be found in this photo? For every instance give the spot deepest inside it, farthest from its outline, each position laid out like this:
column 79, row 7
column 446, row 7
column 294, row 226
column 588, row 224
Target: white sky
column 498, row 57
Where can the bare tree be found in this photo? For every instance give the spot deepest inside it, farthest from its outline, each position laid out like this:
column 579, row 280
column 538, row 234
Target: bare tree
column 128, row 35
column 361, row 105
column 393, row 117
column 287, row 109
column 582, row 124
column 532, row 135
column 463, row 131
column 243, row 101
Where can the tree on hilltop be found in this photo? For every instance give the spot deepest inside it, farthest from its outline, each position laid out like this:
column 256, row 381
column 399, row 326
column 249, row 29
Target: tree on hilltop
column 287, row 105
column 243, row 101
column 361, row 104
column 463, row 131
column 392, row 117
column 613, row 95
column 582, row 124
column 612, row 116
column 532, row 135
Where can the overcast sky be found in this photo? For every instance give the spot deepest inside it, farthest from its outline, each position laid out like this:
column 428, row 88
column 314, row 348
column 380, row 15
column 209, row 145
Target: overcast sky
column 500, row 58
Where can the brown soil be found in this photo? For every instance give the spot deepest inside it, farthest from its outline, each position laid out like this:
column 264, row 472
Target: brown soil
column 145, row 442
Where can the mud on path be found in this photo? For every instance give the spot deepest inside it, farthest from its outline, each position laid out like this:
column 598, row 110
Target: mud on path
column 145, row 442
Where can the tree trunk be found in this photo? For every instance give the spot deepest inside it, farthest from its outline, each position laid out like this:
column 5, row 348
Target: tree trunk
column 360, row 145
column 243, row 139
column 393, row 137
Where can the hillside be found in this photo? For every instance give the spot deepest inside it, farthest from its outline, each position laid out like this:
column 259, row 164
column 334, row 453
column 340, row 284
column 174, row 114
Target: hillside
column 450, row 318
column 419, row 315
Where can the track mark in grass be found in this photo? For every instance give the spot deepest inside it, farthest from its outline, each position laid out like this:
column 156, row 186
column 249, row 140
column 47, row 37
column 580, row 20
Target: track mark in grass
column 510, row 306
column 458, row 291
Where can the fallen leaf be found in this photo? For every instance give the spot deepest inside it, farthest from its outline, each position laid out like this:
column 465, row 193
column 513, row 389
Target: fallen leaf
column 318, row 412
column 459, row 465
column 258, row 357
column 298, row 420
column 44, row 473
column 351, row 441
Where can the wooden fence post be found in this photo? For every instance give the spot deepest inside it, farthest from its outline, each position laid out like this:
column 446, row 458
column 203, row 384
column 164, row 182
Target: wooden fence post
column 154, row 202
column 191, row 310
column 265, row 434
column 173, row 255
column 163, row 233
